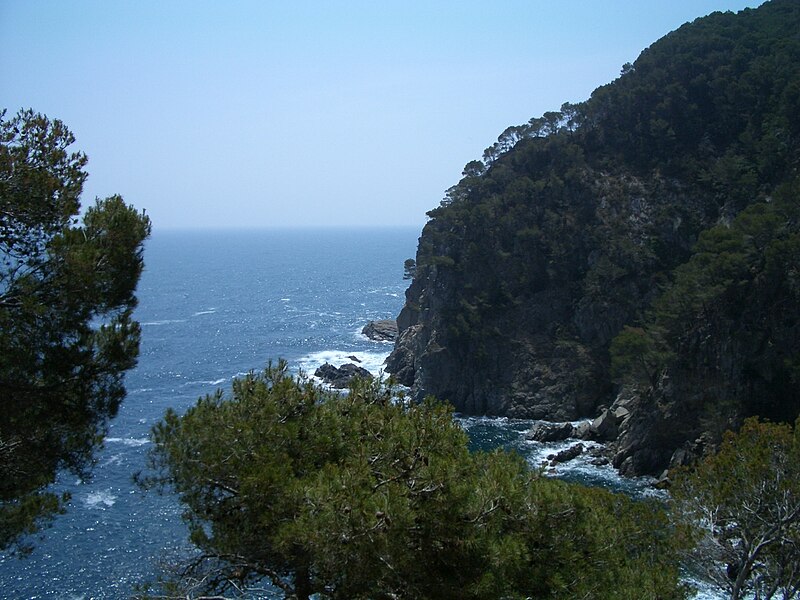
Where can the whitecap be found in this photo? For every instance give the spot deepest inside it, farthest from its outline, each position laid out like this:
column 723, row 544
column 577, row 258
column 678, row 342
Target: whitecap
column 115, row 459
column 502, row 423
column 100, row 500
column 140, row 390
column 540, row 450
column 510, row 433
column 134, row 442
column 371, row 361
column 209, row 311
column 204, row 382
column 163, row 322
column 363, row 338
column 583, row 470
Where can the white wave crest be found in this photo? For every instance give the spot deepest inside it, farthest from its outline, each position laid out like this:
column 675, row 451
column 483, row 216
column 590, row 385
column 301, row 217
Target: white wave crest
column 100, row 500
column 134, row 442
column 205, row 382
column 371, row 361
column 162, row 322
column 140, row 390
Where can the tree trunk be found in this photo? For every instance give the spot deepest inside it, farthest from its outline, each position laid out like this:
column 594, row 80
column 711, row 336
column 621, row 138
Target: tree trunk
column 302, row 583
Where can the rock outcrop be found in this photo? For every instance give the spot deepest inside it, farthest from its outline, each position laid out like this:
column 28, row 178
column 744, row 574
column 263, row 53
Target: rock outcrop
column 566, row 455
column 384, row 330
column 341, row 377
column 544, row 431
column 539, row 349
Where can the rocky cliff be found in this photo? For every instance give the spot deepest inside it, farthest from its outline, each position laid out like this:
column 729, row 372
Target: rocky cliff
column 563, row 273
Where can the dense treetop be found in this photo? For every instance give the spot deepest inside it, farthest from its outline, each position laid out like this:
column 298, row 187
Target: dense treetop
column 366, row 495
column 742, row 508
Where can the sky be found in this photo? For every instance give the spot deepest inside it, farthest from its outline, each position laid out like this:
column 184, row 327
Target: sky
column 259, row 113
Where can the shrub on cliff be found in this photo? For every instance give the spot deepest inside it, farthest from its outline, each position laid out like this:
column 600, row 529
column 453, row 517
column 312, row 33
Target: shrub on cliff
column 367, row 496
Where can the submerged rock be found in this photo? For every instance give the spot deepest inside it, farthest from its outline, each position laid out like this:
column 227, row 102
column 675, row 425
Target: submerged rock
column 340, row 377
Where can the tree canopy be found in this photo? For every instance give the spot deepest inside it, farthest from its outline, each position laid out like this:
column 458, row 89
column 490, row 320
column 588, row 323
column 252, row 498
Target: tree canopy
column 365, row 495
column 67, row 293
column 743, row 505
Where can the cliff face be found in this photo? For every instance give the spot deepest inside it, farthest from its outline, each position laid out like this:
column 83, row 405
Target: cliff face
column 727, row 327
column 546, row 282
column 501, row 320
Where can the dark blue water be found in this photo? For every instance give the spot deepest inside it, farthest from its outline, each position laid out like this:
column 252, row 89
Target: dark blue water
column 214, row 305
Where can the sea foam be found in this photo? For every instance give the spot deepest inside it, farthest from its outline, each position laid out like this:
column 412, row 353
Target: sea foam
column 134, row 442
column 100, row 500
column 370, row 360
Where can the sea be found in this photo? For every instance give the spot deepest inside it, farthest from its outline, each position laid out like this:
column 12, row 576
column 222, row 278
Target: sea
column 215, row 305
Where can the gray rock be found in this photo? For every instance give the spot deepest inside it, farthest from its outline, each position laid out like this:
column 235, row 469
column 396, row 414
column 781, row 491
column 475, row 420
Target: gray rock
column 549, row 432
column 584, row 431
column 621, row 413
column 566, row 455
column 341, row 377
column 606, row 426
column 381, row 331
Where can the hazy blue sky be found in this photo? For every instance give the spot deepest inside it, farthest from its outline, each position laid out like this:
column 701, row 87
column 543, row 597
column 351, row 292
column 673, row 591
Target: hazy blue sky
column 265, row 113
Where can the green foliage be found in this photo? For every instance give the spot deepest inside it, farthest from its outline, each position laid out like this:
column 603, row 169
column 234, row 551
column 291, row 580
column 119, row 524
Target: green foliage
column 409, row 268
column 66, row 332
column 731, row 314
column 742, row 507
column 637, row 354
column 365, row 495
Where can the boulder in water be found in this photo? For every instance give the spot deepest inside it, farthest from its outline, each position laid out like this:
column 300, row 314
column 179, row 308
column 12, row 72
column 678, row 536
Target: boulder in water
column 340, row 377
column 544, row 431
column 566, row 455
